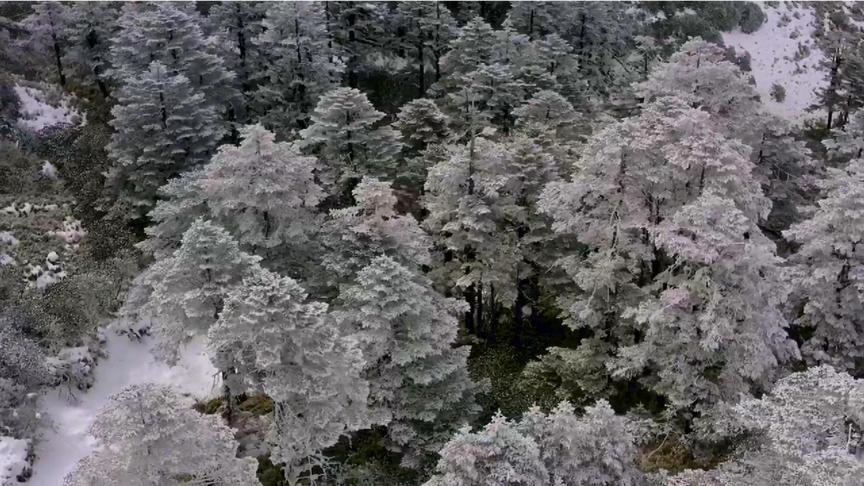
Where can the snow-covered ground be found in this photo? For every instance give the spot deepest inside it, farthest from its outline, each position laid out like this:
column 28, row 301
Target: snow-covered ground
column 779, row 54
column 128, row 362
column 36, row 114
column 13, row 459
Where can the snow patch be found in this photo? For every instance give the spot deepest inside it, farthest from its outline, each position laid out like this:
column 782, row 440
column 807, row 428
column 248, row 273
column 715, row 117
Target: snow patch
column 37, row 114
column 128, row 362
column 71, row 233
column 784, row 52
column 13, row 459
column 48, row 170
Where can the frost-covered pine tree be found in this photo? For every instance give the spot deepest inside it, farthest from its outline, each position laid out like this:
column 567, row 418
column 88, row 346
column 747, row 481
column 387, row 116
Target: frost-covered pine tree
column 300, row 64
column 807, row 431
column 180, row 202
column 163, row 127
column 552, row 121
column 46, row 29
column 426, row 28
column 90, row 28
column 185, row 293
column 676, row 274
column 287, row 347
column 262, row 191
column 473, row 46
column 354, row 236
column 597, row 448
column 421, row 124
column 237, row 24
column 497, row 454
column 830, row 269
column 701, row 74
column 419, row 383
column 555, row 449
column 482, row 203
column 345, row 136
column 149, row 435
column 171, row 33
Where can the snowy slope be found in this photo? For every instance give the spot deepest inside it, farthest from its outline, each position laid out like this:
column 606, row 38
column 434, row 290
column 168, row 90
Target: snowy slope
column 779, row 54
column 36, row 114
column 128, row 362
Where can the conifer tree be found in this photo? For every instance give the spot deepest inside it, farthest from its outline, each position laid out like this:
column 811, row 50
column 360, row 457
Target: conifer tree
column 300, row 64
column 185, row 293
column 171, row 33
column 344, row 135
column 90, row 29
column 354, row 236
column 237, row 24
column 264, row 192
column 555, row 449
column 46, row 28
column 163, row 127
column 829, row 267
column 150, row 435
column 676, row 276
column 419, row 384
column 287, row 348
column 806, row 431
column 428, row 28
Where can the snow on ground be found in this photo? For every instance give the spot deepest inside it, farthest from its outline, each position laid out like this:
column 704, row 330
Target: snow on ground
column 779, row 54
column 128, row 363
column 13, row 459
column 36, row 114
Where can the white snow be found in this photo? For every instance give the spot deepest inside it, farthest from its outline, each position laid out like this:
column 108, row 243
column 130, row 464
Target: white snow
column 48, row 170
column 773, row 50
column 128, row 363
column 36, row 114
column 13, row 459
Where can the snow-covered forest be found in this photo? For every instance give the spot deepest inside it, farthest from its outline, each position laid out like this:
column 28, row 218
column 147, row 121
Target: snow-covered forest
column 432, row 243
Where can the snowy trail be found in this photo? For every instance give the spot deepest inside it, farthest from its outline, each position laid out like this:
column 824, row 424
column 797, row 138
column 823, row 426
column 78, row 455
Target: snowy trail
column 128, row 362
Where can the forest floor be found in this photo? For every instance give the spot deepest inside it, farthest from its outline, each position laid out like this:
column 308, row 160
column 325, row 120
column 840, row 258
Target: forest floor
column 128, row 362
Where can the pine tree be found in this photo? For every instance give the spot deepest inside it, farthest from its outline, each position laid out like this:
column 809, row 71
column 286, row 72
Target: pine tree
column 806, row 431
column 419, row 384
column 91, row 26
column 497, row 454
column 829, row 267
column 150, row 435
column 287, row 348
column 597, row 448
column 482, row 213
column 237, row 24
column 549, row 112
column 701, row 74
column 46, row 28
column 555, row 449
column 344, row 135
column 421, row 124
column 264, row 192
column 355, row 30
column 185, row 293
column 171, row 33
column 163, row 127
column 668, row 209
column 300, row 64
column 426, row 28
column 180, row 202
column 354, row 236
column 473, row 46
